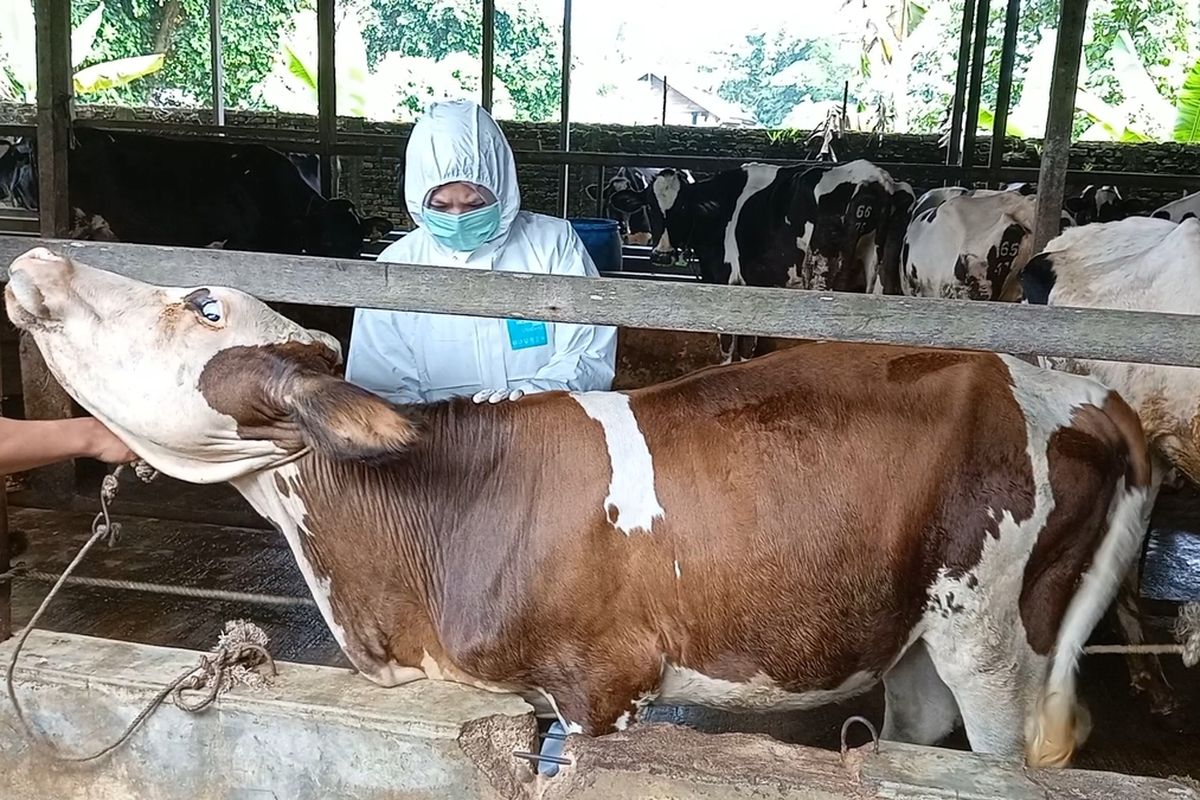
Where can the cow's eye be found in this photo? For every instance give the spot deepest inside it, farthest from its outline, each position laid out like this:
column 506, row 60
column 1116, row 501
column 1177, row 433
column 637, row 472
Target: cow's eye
column 211, row 309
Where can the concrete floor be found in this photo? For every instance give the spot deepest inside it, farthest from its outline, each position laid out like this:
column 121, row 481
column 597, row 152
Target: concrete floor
column 1125, row 737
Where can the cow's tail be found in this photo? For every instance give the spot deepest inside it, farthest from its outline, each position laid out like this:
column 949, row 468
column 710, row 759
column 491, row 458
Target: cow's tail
column 1059, row 724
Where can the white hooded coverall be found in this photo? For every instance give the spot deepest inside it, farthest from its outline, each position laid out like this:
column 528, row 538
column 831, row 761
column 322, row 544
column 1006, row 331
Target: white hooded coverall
column 409, row 357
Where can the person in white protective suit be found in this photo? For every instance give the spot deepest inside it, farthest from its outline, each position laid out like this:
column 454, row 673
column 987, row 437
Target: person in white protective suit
column 460, row 186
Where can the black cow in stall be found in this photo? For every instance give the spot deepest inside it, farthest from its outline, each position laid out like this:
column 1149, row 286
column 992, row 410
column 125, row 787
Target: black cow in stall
column 837, row 227
column 18, row 182
column 157, row 190
column 634, row 224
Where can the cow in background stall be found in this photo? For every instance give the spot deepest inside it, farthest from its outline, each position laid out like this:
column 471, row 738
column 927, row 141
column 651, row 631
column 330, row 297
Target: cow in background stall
column 188, row 193
column 634, row 221
column 968, row 244
column 1136, row 264
column 18, row 180
column 1186, row 207
column 950, row 523
column 836, row 228
column 974, row 243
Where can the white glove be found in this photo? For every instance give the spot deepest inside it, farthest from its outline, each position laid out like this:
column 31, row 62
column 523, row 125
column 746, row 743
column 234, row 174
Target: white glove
column 493, row 397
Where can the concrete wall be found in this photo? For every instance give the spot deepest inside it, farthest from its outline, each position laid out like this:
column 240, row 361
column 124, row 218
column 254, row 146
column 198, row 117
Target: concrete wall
column 371, row 181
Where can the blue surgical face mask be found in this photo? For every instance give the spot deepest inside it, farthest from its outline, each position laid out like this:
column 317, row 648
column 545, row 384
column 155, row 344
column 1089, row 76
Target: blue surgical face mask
column 464, row 232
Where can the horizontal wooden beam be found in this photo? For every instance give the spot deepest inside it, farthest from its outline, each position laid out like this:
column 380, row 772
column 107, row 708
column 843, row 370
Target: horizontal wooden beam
column 1111, row 335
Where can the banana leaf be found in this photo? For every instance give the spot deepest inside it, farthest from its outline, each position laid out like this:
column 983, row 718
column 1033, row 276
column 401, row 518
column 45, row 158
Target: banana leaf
column 83, row 38
column 109, row 74
column 1187, row 108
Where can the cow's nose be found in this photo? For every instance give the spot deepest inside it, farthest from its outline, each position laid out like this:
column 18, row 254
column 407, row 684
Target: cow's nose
column 42, row 265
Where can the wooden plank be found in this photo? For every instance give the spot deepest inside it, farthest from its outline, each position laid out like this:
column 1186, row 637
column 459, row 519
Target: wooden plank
column 1056, row 149
column 44, row 398
column 1104, row 334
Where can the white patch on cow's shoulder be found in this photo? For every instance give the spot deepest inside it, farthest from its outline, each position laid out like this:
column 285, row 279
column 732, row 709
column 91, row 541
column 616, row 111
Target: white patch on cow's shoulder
column 684, row 686
column 632, row 503
column 758, row 177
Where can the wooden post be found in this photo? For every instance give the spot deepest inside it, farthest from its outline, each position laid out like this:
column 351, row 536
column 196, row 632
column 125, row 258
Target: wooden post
column 43, row 397
column 5, row 553
column 1056, row 149
column 489, row 53
column 326, row 93
column 218, row 64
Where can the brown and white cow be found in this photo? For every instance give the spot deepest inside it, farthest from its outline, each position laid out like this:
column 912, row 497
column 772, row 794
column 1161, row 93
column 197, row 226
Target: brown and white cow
column 776, row 534
column 1135, row 264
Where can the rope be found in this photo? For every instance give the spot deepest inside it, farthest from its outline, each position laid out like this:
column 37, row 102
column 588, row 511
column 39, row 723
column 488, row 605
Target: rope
column 1187, row 632
column 243, row 645
column 160, row 588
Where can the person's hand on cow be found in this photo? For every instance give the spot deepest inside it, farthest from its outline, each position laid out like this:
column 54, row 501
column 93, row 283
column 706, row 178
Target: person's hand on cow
column 494, row 396
column 102, row 444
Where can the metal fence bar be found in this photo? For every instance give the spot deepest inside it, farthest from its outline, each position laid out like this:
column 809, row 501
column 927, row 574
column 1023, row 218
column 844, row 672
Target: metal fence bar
column 1130, row 336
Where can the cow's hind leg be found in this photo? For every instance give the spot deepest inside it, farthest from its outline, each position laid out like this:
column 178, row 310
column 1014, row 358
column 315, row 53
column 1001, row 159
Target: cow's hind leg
column 919, row 706
column 1145, row 670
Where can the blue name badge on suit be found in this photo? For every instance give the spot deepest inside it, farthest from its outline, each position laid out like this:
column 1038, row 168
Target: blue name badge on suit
column 523, row 334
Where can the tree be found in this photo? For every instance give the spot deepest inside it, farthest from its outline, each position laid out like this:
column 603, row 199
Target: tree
column 18, row 71
column 527, row 56
column 773, row 75
column 179, row 29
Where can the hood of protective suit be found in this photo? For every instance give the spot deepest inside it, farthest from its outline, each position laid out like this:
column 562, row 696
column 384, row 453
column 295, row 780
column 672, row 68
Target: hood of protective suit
column 459, row 141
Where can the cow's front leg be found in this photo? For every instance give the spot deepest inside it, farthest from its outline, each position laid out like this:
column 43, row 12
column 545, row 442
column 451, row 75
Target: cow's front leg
column 596, row 701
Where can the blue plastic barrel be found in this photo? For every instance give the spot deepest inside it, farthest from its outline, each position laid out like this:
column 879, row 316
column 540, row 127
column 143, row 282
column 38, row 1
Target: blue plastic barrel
column 602, row 239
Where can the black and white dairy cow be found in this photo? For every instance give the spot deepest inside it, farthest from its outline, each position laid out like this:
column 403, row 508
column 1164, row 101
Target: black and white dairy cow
column 1097, row 204
column 1186, row 207
column 633, row 219
column 828, row 228
column 968, row 244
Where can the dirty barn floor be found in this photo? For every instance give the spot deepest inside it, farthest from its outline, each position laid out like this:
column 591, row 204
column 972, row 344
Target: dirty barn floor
column 1125, row 738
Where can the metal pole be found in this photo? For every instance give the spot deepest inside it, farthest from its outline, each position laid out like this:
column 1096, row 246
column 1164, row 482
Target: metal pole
column 1056, row 149
column 326, row 92
column 971, row 123
column 218, row 66
column 489, row 52
column 954, row 151
column 600, row 190
column 564, row 132
column 1008, row 58
column 664, row 108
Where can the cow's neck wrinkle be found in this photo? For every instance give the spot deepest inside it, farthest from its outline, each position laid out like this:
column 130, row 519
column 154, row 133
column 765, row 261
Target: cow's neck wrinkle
column 416, row 527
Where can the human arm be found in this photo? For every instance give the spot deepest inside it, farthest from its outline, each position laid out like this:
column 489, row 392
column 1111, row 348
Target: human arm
column 29, row 444
column 381, row 358
column 584, row 355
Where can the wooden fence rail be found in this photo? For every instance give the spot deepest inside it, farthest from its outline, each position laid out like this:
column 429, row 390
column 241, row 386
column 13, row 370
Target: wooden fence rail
column 1136, row 336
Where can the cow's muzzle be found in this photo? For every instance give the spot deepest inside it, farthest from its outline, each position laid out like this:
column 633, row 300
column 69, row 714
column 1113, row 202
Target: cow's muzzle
column 29, row 277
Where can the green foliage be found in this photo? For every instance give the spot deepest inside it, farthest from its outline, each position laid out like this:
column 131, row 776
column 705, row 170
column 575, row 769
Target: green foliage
column 527, row 53
column 1187, row 106
column 773, row 75
column 19, row 68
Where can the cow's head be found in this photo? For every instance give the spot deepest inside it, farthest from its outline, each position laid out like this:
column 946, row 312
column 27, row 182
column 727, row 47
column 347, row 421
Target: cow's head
column 668, row 205
column 335, row 230
column 206, row 384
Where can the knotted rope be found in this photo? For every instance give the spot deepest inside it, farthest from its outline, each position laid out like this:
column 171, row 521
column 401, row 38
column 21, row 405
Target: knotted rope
column 1187, row 634
column 237, row 658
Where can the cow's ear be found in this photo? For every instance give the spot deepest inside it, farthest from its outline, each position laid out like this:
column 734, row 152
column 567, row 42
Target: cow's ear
column 345, row 422
column 627, row 201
